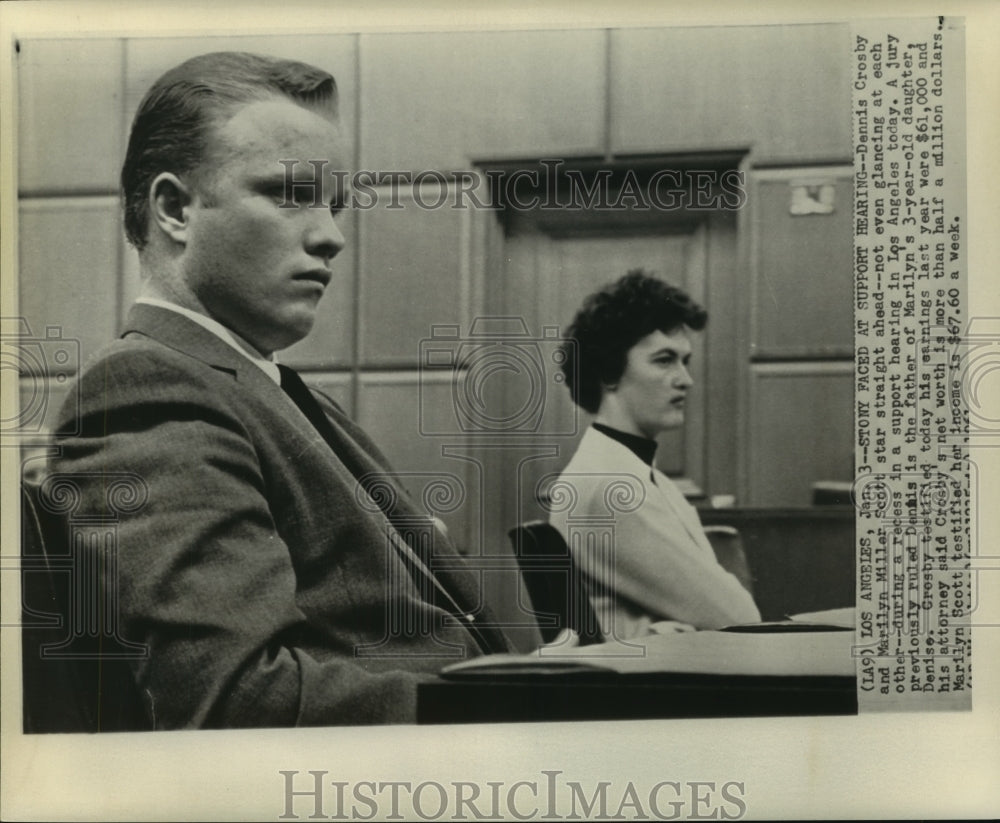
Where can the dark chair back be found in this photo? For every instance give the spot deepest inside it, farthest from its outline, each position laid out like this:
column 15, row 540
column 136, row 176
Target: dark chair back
column 73, row 679
column 557, row 589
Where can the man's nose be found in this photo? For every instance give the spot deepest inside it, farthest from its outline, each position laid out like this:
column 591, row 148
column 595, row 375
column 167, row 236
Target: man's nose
column 324, row 238
column 683, row 378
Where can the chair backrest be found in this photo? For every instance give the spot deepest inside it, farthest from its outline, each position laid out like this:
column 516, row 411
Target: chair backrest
column 68, row 684
column 557, row 589
column 730, row 552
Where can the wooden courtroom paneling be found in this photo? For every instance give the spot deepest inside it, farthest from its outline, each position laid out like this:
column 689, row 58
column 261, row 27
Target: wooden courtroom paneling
column 725, row 345
column 433, row 101
column 414, row 275
column 802, row 559
column 547, row 279
column 784, row 90
column 69, row 268
column 391, row 405
column 802, row 289
column 69, row 115
column 801, row 430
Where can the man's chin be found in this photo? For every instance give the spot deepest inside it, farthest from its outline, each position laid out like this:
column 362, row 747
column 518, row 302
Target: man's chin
column 285, row 334
column 673, row 420
column 291, row 339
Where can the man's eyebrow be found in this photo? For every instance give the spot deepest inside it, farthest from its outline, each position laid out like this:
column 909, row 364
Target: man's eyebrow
column 670, row 350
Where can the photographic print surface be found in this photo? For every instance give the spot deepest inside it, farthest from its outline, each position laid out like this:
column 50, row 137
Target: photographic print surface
column 804, row 182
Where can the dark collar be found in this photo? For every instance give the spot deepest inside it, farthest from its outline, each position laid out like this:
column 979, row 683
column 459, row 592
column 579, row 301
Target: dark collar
column 641, row 447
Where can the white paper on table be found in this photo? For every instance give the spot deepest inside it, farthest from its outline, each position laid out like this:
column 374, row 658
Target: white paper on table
column 820, row 653
column 845, row 617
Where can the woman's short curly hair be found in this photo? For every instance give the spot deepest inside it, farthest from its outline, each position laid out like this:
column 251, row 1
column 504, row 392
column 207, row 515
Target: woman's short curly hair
column 611, row 321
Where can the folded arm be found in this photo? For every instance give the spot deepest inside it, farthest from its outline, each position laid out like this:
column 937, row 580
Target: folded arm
column 657, row 567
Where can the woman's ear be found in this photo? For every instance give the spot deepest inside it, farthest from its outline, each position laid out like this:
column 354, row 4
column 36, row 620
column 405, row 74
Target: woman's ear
column 169, row 198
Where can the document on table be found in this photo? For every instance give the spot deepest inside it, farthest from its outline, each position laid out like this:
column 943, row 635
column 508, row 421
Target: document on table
column 826, row 620
column 797, row 653
column 845, row 617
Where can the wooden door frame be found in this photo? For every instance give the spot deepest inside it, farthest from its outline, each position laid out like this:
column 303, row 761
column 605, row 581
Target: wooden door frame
column 699, row 429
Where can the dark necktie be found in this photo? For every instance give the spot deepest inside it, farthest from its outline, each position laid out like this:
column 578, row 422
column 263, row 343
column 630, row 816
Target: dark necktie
column 401, row 515
column 296, row 389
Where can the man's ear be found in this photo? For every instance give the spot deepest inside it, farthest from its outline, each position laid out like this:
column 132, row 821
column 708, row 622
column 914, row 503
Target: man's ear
column 169, row 201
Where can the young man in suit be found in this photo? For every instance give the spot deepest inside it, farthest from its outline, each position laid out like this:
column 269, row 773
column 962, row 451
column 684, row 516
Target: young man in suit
column 628, row 367
column 274, row 569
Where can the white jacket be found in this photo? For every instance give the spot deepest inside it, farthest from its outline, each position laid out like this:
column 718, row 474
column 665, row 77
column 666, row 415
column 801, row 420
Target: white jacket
column 641, row 544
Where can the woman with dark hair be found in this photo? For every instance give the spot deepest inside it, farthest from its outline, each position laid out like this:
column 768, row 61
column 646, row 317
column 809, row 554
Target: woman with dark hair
column 626, row 363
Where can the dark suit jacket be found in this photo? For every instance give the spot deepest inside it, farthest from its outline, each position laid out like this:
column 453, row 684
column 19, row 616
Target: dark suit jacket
column 270, row 589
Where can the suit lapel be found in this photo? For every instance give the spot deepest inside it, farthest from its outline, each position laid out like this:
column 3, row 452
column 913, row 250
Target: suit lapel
column 176, row 331
column 459, row 588
column 350, row 445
